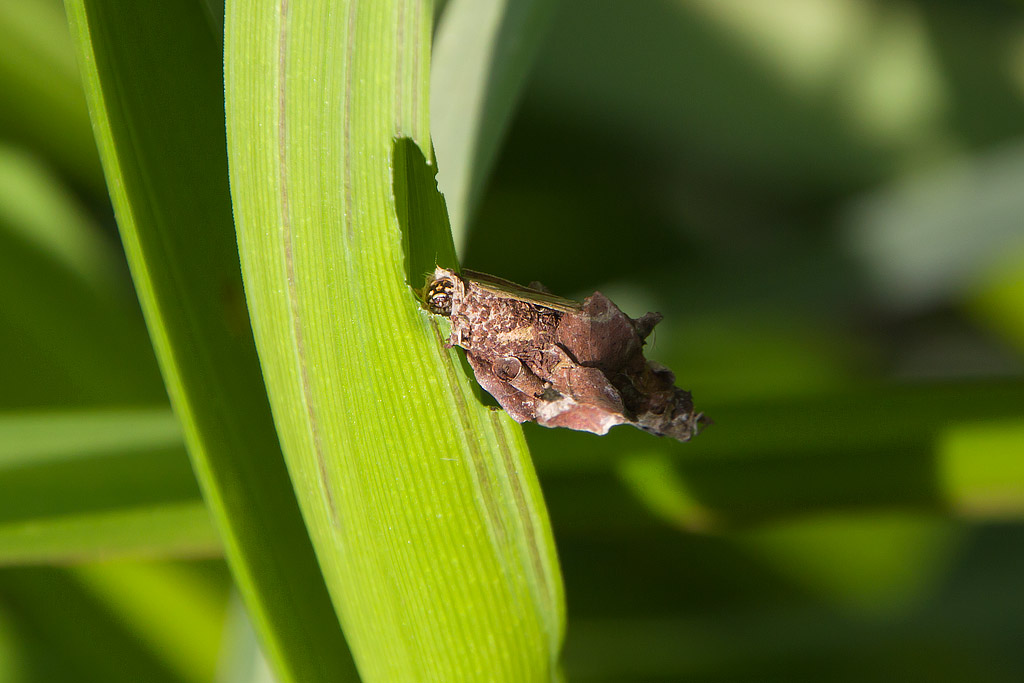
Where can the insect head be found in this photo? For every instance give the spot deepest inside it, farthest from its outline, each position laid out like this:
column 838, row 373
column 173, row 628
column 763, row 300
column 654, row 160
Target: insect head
column 439, row 296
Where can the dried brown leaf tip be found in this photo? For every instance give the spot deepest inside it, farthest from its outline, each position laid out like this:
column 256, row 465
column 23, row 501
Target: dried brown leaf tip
column 560, row 362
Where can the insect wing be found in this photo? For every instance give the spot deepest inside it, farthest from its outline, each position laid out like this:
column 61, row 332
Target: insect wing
column 511, row 290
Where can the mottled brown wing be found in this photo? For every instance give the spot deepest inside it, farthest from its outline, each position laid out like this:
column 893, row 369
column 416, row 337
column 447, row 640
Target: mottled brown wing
column 511, row 290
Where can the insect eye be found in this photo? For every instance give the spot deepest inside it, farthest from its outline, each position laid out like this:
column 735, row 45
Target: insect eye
column 439, row 297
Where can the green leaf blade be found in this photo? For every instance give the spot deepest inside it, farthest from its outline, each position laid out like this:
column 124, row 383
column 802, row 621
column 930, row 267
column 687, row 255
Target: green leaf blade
column 155, row 91
column 422, row 504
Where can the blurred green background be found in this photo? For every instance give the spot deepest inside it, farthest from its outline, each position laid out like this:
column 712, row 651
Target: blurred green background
column 826, row 200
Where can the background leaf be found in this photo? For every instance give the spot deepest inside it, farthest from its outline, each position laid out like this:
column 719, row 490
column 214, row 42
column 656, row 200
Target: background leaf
column 82, row 485
column 69, row 315
column 153, row 81
column 45, row 109
column 483, row 52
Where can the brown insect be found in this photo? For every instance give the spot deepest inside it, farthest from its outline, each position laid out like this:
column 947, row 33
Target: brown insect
column 557, row 361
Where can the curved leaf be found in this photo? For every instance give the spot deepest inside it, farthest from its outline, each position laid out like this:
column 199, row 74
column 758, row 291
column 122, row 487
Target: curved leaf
column 153, row 82
column 422, row 503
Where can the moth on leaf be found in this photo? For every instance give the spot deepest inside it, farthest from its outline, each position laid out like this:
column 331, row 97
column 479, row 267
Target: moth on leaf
column 557, row 361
